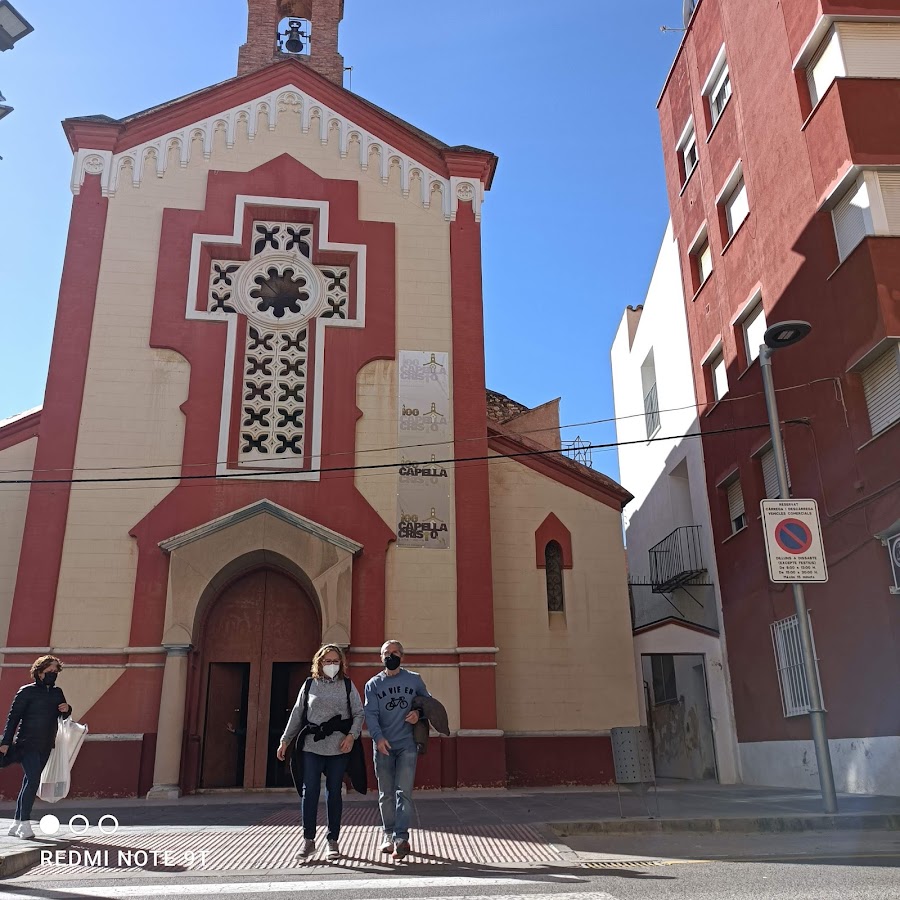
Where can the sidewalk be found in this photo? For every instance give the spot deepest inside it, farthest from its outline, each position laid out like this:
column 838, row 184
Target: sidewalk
column 684, row 807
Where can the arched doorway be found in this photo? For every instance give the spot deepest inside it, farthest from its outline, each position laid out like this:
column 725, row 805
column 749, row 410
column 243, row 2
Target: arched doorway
column 256, row 641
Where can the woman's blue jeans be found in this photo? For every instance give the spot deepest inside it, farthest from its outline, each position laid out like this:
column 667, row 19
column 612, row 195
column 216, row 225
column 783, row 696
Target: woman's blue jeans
column 334, row 767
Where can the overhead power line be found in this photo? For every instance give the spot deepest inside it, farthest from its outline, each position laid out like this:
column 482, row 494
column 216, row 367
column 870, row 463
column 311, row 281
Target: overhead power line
column 281, row 473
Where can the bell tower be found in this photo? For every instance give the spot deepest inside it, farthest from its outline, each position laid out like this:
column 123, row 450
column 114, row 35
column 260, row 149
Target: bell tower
column 303, row 29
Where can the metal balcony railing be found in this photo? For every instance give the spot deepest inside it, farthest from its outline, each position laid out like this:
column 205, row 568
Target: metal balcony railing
column 651, row 412
column 676, row 559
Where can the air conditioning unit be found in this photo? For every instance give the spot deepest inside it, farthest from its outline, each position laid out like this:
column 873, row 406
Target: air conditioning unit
column 893, row 545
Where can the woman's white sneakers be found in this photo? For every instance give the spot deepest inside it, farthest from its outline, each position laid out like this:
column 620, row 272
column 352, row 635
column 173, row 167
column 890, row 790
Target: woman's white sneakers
column 387, row 845
column 307, row 848
column 13, row 829
column 334, row 851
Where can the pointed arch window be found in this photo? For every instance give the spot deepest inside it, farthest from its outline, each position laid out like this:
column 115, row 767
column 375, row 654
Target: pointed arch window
column 553, row 564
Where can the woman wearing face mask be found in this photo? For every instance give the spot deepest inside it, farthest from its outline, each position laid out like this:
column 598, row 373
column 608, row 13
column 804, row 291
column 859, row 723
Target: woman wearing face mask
column 328, row 717
column 34, row 711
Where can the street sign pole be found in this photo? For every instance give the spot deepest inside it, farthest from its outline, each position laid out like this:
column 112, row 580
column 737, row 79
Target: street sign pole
column 816, row 709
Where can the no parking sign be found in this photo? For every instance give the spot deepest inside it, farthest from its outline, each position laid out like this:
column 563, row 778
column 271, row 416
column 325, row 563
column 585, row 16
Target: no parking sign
column 793, row 541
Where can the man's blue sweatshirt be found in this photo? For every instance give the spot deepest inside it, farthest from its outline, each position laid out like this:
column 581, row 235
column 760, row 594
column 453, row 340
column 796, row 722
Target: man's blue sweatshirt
column 389, row 701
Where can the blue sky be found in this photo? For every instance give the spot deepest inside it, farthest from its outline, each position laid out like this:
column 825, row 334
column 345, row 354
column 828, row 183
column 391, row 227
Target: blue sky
column 564, row 94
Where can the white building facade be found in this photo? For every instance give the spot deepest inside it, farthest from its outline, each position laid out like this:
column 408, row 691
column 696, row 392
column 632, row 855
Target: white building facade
column 683, row 681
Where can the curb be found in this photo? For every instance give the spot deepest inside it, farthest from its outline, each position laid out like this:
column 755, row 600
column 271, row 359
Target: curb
column 763, row 824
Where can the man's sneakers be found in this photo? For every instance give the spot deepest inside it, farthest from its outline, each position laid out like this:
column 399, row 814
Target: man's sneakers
column 333, row 851
column 402, row 850
column 16, row 825
column 307, row 848
column 25, row 831
column 387, row 845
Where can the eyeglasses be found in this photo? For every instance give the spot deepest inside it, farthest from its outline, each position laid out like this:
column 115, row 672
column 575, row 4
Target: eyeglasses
column 331, row 662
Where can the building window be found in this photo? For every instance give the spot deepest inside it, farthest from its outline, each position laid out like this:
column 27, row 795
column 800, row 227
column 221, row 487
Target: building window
column 735, row 204
column 881, row 385
column 870, row 206
column 854, row 50
column 719, row 375
column 651, row 399
column 717, row 89
column 736, row 513
column 553, row 561
column 665, row 690
column 770, row 474
column 754, row 328
column 701, row 260
column 687, row 152
column 827, row 65
column 789, row 662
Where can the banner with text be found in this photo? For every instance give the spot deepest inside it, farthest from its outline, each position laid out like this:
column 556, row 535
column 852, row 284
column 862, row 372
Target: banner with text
column 423, row 489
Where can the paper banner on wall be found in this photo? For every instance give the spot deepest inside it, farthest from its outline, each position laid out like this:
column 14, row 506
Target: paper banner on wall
column 425, row 437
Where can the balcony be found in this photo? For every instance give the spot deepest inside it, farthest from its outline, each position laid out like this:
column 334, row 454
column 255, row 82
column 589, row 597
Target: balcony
column 676, row 560
column 857, row 121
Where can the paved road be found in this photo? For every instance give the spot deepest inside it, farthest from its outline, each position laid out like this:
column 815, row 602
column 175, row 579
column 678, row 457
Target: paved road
column 848, row 866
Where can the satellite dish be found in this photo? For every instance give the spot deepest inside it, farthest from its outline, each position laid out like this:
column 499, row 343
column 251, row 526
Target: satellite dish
column 687, row 10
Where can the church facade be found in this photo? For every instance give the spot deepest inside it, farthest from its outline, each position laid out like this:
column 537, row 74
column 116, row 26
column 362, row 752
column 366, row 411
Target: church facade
column 266, row 426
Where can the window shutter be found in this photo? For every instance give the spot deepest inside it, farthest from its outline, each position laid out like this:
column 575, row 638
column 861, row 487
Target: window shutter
column 704, row 262
column 770, row 474
column 881, row 384
column 720, row 378
column 737, row 208
column 828, row 65
column 890, row 195
column 755, row 331
column 852, row 219
column 735, row 501
column 871, row 51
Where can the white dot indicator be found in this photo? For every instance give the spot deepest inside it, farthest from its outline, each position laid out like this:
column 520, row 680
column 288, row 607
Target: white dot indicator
column 49, row 824
column 111, row 820
column 81, row 822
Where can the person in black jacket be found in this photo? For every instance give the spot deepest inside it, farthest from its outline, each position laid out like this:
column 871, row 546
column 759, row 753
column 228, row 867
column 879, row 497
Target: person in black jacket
column 34, row 712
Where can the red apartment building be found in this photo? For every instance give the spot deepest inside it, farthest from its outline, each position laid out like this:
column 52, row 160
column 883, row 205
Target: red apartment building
column 781, row 134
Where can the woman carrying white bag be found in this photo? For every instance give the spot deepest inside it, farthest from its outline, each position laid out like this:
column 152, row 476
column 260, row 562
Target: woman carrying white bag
column 56, row 777
column 33, row 722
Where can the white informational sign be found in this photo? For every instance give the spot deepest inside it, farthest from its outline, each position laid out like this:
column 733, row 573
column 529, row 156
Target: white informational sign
column 793, row 541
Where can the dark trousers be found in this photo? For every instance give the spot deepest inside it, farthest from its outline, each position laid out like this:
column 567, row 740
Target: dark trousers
column 334, row 767
column 33, row 762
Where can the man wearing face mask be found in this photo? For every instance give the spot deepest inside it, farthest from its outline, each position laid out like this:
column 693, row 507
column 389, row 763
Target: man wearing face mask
column 390, row 719
column 34, row 712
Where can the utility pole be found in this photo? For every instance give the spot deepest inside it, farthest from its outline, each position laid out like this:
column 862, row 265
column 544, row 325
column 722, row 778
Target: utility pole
column 778, row 336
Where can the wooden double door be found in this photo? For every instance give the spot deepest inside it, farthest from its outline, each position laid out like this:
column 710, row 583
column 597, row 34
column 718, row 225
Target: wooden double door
column 256, row 645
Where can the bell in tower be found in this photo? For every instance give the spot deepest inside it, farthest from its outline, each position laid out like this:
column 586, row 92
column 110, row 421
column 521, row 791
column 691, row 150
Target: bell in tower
column 302, row 29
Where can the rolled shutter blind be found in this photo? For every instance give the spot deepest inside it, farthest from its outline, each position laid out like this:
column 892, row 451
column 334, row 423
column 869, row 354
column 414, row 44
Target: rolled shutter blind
column 890, row 195
column 735, row 500
column 881, row 384
column 852, row 219
column 870, row 51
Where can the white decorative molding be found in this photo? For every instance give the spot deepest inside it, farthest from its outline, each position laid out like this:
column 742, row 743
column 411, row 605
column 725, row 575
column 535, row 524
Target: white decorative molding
column 92, row 162
column 195, row 297
column 183, row 144
column 255, row 509
column 466, row 190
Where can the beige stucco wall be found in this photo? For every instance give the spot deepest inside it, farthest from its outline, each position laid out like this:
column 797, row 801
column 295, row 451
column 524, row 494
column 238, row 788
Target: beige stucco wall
column 131, row 416
column 13, row 505
column 575, row 673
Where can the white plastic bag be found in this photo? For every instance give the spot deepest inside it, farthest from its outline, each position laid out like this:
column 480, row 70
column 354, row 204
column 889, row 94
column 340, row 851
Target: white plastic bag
column 56, row 777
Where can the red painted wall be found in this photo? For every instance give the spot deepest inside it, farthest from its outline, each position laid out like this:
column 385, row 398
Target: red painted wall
column 788, row 249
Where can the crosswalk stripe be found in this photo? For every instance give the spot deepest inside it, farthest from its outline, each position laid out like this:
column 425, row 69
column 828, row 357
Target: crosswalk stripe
column 380, row 885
